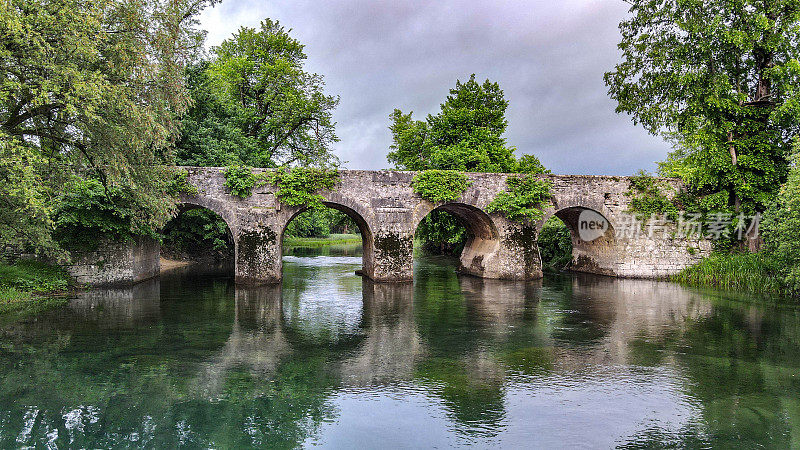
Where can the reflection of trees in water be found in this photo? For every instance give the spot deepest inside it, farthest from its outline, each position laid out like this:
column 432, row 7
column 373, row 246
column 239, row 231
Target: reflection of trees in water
column 194, row 361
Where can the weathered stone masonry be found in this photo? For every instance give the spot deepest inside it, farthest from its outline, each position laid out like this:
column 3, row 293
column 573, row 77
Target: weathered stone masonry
column 387, row 212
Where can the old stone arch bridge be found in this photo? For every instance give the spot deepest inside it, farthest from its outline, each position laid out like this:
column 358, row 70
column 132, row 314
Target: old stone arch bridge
column 387, row 212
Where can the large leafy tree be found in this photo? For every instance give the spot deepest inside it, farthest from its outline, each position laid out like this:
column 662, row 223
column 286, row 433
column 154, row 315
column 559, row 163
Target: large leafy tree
column 256, row 104
column 465, row 135
column 89, row 88
column 722, row 79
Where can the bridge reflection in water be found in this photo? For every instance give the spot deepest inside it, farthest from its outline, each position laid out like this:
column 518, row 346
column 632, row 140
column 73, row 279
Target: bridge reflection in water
column 330, row 358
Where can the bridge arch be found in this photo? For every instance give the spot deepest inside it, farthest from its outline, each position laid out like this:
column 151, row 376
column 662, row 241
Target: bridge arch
column 483, row 235
column 185, row 206
column 594, row 237
column 352, row 210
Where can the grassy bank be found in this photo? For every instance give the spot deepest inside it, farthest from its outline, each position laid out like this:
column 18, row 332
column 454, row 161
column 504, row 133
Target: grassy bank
column 750, row 272
column 333, row 239
column 28, row 286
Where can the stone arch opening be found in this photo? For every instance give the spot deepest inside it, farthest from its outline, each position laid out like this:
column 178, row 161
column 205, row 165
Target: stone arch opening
column 361, row 225
column 593, row 239
column 199, row 234
column 482, row 236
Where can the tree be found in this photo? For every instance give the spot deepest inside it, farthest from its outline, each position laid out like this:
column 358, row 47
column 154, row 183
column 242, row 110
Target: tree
column 782, row 227
column 465, row 135
column 213, row 131
column 89, row 89
column 722, row 79
column 255, row 104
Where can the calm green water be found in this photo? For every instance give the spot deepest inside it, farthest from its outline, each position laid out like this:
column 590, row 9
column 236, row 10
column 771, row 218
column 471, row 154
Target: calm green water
column 332, row 360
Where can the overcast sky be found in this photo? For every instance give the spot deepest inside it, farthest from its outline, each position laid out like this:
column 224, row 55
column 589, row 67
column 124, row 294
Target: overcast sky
column 549, row 57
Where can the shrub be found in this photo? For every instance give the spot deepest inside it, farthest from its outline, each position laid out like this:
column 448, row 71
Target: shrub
column 753, row 272
column 647, row 197
column 782, row 228
column 25, row 276
column 522, row 199
column 440, row 185
column 180, row 184
column 88, row 211
column 240, row 180
column 297, row 186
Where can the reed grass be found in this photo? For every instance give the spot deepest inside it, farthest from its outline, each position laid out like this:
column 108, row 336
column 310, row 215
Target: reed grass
column 752, row 272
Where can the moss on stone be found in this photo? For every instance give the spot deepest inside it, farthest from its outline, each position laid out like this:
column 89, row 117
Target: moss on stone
column 251, row 244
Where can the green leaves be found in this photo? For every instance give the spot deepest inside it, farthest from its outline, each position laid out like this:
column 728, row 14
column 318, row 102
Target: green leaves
column 440, row 185
column 89, row 212
column 240, row 180
column 257, row 87
column 180, row 184
column 782, row 227
column 522, row 199
column 90, row 87
column 297, row 186
column 720, row 79
column 647, row 197
column 466, row 135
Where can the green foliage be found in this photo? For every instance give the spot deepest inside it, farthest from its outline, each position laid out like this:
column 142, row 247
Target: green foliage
column 465, row 135
column 180, row 184
column 89, row 212
column 26, row 277
column 440, row 185
column 213, row 131
column 781, row 228
column 555, row 245
column 647, row 197
column 297, row 186
column 240, row 180
column 441, row 233
column 26, row 199
column 522, row 199
column 88, row 87
column 720, row 78
column 531, row 165
column 320, row 223
column 198, row 233
column 749, row 272
column 256, row 105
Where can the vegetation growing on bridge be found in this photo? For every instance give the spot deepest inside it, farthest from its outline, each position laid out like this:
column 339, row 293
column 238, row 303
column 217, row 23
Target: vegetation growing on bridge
column 240, row 180
column 297, row 186
column 647, row 197
column 523, row 198
column 440, row 185
column 180, row 184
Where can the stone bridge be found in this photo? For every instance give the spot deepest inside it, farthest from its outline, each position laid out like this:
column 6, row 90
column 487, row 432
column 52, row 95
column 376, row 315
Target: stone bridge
column 387, row 212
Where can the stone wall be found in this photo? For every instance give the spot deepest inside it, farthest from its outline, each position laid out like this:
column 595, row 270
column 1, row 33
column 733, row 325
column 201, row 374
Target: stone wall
column 120, row 263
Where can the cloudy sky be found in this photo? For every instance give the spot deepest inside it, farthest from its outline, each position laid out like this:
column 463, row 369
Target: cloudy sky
column 549, row 57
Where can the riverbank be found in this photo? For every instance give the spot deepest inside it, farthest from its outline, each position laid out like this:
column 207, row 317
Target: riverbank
column 31, row 286
column 333, row 239
column 170, row 264
column 757, row 273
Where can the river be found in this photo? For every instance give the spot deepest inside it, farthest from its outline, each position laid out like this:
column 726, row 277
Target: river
column 330, row 359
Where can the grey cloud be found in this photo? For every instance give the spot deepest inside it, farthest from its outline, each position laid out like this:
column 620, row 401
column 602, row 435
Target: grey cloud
column 549, row 57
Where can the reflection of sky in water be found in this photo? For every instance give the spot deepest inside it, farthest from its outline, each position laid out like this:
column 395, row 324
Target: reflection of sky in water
column 324, row 305
column 600, row 410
